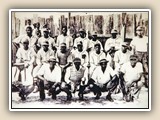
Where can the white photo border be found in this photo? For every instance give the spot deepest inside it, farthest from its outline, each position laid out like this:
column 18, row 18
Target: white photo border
column 84, row 108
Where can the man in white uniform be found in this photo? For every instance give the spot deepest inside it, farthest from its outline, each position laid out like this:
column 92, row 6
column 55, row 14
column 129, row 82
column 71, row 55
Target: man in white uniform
column 47, row 38
column 131, row 74
column 140, row 47
column 64, row 38
column 49, row 77
column 114, row 42
column 103, row 79
column 85, row 41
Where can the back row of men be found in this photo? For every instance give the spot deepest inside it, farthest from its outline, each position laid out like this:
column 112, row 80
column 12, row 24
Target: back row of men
column 36, row 58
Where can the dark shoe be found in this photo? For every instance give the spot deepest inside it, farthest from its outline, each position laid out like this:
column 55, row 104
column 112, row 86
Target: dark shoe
column 54, row 97
column 80, row 96
column 22, row 96
column 69, row 97
column 97, row 97
column 109, row 98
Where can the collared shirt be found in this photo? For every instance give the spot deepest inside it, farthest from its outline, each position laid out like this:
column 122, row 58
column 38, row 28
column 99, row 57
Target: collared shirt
column 74, row 75
column 63, row 58
column 92, row 43
column 65, row 39
column 43, row 57
column 130, row 73
column 32, row 40
column 76, row 53
column 121, row 57
column 113, row 43
column 85, row 41
column 53, row 76
column 95, row 58
column 50, row 40
column 101, row 77
column 22, row 55
column 140, row 44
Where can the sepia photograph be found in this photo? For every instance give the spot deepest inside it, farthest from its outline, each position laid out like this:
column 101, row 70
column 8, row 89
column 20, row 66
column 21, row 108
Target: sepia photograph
column 80, row 60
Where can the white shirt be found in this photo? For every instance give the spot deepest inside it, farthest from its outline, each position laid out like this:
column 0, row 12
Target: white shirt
column 76, row 53
column 131, row 74
column 113, row 42
column 121, row 57
column 140, row 44
column 85, row 41
column 53, row 76
column 101, row 77
column 65, row 39
column 43, row 56
column 92, row 43
column 95, row 58
column 32, row 40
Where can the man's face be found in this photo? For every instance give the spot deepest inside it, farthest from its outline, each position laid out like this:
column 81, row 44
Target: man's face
column 140, row 33
column 29, row 31
column 103, row 64
column 97, row 48
column 63, row 48
column 94, row 37
column 46, row 34
column 64, row 31
column 82, row 34
column 45, row 47
column 77, row 64
column 29, row 22
column 114, row 35
column 79, row 47
column 133, row 61
column 52, row 63
column 124, row 49
column 25, row 45
column 38, row 33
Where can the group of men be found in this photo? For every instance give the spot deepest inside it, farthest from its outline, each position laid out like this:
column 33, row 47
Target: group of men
column 40, row 62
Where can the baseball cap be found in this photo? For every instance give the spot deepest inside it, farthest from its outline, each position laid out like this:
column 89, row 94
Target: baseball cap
column 114, row 31
column 76, row 60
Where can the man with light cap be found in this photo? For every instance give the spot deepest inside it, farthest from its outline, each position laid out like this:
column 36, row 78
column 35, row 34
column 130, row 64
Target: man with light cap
column 47, row 38
column 64, row 38
column 32, row 39
column 85, row 41
column 131, row 75
column 97, row 54
column 103, row 79
column 94, row 41
column 140, row 47
column 79, row 53
column 49, row 77
column 114, row 42
column 123, row 55
column 77, row 77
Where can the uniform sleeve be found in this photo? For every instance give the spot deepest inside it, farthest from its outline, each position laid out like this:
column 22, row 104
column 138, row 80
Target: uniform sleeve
column 91, row 58
column 116, row 57
column 140, row 67
column 111, row 71
column 39, row 58
column 58, row 74
column 107, row 47
column 67, row 75
column 19, row 56
column 86, row 75
column 41, row 71
column 94, row 75
column 75, row 42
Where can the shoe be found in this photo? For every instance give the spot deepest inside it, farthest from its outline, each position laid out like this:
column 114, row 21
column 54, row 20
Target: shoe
column 97, row 97
column 80, row 97
column 54, row 97
column 109, row 98
column 69, row 97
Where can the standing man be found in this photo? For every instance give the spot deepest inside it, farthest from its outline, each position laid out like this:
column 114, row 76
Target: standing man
column 64, row 38
column 103, row 79
column 47, row 38
column 140, row 47
column 77, row 77
column 32, row 39
column 114, row 42
column 83, row 39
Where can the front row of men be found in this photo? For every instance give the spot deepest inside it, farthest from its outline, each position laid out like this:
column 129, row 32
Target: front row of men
column 76, row 78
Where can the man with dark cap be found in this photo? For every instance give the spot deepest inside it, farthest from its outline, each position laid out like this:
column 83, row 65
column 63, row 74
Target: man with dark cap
column 77, row 77
column 103, row 79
